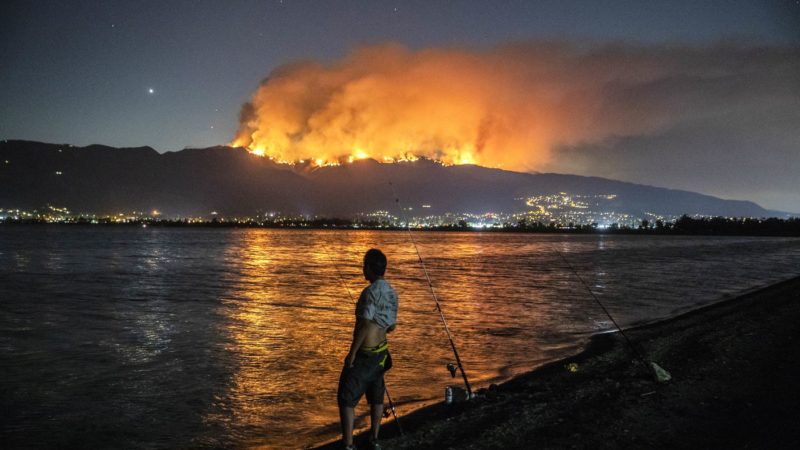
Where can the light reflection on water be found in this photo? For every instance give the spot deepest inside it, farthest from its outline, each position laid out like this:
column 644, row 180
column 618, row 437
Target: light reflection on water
column 206, row 337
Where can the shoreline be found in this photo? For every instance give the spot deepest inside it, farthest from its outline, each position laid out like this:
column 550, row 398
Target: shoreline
column 734, row 365
column 733, row 227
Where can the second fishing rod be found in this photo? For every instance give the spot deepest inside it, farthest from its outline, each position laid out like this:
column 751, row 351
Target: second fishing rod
column 661, row 375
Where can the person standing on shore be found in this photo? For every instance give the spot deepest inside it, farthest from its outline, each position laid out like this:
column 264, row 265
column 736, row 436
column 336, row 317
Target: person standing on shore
column 368, row 358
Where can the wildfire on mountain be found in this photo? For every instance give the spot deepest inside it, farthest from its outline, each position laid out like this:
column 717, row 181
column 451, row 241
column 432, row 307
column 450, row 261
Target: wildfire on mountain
column 510, row 106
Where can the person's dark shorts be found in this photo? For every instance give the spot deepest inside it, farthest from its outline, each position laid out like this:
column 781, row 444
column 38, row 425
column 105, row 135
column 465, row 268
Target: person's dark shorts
column 365, row 377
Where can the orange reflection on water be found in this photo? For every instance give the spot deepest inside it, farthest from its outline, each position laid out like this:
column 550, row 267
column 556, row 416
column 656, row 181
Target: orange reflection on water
column 288, row 323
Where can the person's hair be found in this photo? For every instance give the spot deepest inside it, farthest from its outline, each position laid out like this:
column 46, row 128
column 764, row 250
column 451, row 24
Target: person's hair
column 376, row 261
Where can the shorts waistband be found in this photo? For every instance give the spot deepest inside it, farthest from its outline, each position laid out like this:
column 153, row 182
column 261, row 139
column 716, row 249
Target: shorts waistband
column 380, row 348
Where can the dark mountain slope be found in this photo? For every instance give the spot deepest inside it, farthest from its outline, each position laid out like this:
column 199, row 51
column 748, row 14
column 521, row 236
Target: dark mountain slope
column 107, row 180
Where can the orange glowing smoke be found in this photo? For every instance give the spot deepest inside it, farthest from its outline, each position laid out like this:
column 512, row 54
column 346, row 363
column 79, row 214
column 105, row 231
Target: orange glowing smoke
column 503, row 107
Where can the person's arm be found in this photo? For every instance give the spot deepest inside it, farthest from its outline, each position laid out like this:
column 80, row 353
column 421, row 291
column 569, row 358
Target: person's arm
column 363, row 328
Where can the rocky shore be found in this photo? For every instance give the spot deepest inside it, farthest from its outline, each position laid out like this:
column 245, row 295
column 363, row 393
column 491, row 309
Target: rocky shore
column 736, row 384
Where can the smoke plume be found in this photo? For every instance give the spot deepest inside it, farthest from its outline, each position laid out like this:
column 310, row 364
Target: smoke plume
column 511, row 106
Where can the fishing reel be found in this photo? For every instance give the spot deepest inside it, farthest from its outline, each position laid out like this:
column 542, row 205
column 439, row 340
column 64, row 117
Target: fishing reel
column 452, row 368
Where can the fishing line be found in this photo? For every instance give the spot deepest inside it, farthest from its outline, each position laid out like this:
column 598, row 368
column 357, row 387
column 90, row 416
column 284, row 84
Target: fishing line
column 660, row 373
column 352, row 299
column 433, row 293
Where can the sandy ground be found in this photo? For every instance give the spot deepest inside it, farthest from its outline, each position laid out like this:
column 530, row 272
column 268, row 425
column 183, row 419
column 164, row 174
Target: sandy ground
column 736, row 384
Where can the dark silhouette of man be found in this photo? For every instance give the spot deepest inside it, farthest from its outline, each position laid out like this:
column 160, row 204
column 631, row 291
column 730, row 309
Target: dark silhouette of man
column 368, row 358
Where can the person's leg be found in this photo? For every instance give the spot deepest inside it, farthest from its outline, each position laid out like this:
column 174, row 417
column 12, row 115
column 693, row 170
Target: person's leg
column 375, row 395
column 351, row 388
column 376, row 414
column 347, row 416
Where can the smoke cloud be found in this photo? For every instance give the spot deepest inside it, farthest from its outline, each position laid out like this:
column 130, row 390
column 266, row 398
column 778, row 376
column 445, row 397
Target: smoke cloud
column 516, row 106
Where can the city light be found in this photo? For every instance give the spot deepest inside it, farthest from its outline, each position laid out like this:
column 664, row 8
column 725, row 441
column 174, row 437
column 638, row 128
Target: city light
column 548, row 212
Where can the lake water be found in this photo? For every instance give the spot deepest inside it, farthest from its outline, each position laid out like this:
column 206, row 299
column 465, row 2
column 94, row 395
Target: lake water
column 152, row 338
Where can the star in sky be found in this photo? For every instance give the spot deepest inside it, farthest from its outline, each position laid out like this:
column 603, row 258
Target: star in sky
column 151, row 91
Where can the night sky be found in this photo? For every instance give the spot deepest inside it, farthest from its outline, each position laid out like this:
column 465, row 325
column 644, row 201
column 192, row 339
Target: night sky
column 175, row 74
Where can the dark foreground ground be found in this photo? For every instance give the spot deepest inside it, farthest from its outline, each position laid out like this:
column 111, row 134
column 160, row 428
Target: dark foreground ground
column 736, row 384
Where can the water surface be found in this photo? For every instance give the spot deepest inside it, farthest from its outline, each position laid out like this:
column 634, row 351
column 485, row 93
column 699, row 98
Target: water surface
column 155, row 337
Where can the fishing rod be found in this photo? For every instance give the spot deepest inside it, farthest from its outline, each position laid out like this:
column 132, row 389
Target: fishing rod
column 385, row 388
column 660, row 373
column 435, row 299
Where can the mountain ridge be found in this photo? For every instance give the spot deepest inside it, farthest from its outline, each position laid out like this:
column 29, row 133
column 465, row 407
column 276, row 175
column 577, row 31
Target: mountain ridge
column 195, row 181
